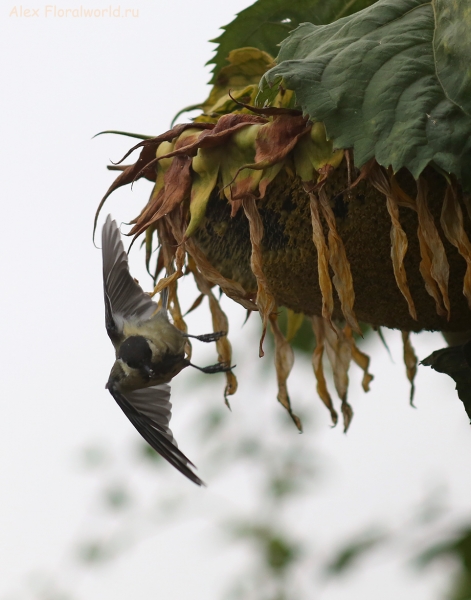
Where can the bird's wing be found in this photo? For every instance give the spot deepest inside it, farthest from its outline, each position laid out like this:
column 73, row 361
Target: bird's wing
column 455, row 361
column 149, row 410
column 124, row 298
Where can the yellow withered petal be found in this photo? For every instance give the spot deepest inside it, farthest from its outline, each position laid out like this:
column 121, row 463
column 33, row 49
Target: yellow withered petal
column 451, row 221
column 265, row 301
column 318, row 325
column 284, row 360
column 439, row 269
column 220, row 323
column 410, row 360
column 318, row 238
column 338, row 260
column 398, row 236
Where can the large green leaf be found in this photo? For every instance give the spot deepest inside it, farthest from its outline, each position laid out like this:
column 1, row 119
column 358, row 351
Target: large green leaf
column 267, row 22
column 372, row 79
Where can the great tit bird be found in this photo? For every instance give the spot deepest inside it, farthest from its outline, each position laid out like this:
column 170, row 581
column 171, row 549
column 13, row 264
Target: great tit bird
column 150, row 351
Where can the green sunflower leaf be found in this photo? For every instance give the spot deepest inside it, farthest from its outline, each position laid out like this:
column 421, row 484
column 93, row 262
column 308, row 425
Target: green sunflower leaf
column 267, row 22
column 392, row 82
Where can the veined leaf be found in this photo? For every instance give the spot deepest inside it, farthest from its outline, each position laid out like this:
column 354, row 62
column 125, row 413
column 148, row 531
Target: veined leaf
column 267, row 22
column 372, row 79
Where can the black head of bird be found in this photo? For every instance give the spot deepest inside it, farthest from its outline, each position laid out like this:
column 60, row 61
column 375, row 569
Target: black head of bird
column 150, row 351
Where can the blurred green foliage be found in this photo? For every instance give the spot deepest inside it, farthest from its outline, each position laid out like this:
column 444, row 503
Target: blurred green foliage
column 457, row 547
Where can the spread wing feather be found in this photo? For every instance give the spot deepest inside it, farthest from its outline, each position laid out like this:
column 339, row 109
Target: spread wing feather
column 124, row 298
column 156, row 435
column 154, row 403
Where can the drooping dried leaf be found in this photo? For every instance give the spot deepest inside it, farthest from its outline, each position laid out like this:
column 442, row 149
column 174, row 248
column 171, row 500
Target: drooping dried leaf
column 273, row 142
column 399, row 242
column 178, row 320
column 220, row 323
column 318, row 238
column 425, row 268
column 276, row 139
column 383, row 341
column 219, row 133
column 339, row 354
column 168, row 136
column 265, row 300
column 360, row 358
column 195, row 304
column 467, row 203
column 440, row 269
column 149, row 245
column 318, row 328
column 159, row 265
column 338, row 260
column 347, row 414
column 176, row 189
column 284, row 360
column 170, row 280
column 410, row 360
column 231, row 288
column 402, row 198
column 158, row 193
column 128, row 176
column 451, row 221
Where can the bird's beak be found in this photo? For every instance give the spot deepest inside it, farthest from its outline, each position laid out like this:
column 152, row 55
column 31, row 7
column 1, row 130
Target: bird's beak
column 149, row 372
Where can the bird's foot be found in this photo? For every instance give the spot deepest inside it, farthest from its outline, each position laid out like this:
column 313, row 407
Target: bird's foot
column 207, row 337
column 221, row 367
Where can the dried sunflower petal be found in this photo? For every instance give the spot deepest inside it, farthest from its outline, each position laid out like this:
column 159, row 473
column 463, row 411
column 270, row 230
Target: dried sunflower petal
column 360, row 358
column 284, row 360
column 410, row 360
column 439, row 268
column 342, row 278
column 452, row 224
column 398, row 236
column 323, row 392
column 318, row 238
column 220, row 323
column 265, row 300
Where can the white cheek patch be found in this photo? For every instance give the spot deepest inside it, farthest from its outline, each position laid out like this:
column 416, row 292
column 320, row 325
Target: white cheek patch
column 156, row 352
column 128, row 371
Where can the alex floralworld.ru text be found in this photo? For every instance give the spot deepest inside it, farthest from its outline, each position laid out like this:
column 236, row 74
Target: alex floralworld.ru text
column 52, row 10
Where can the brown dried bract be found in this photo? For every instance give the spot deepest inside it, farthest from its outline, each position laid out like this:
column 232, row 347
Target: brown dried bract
column 439, row 268
column 451, row 221
column 323, row 392
column 339, row 354
column 360, row 358
column 410, row 360
column 399, row 242
column 284, row 360
column 318, row 238
column 220, row 323
column 338, row 260
column 265, row 300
